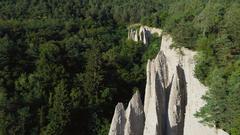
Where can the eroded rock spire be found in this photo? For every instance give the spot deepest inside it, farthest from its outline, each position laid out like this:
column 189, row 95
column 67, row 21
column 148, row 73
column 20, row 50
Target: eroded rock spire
column 131, row 121
column 134, row 116
column 177, row 103
column 172, row 95
column 142, row 33
column 118, row 121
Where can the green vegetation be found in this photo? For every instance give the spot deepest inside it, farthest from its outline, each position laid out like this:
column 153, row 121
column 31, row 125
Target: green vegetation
column 63, row 64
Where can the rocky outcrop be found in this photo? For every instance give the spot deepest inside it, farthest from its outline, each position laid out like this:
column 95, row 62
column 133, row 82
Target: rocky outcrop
column 155, row 102
column 172, row 96
column 118, row 121
column 131, row 121
column 194, row 90
column 177, row 103
column 135, row 116
column 142, row 33
column 133, row 34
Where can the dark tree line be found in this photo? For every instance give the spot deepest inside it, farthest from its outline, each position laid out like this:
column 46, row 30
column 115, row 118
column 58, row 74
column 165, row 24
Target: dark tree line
column 62, row 72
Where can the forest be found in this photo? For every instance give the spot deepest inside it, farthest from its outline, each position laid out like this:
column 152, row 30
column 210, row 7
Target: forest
column 64, row 64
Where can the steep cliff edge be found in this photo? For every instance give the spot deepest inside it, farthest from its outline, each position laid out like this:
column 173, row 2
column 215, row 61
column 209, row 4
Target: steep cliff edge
column 193, row 91
column 172, row 94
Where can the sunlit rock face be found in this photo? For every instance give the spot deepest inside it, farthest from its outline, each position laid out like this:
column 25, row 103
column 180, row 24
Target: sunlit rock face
column 118, row 121
column 155, row 100
column 142, row 33
column 134, row 116
column 172, row 95
column 131, row 121
column 133, row 34
column 185, row 94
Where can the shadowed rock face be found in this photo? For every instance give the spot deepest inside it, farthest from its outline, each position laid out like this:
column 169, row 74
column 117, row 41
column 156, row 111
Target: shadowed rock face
column 154, row 103
column 177, row 103
column 172, row 95
column 165, row 100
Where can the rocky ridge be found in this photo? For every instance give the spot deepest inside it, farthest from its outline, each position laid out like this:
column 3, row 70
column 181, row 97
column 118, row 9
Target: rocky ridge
column 172, row 94
column 142, row 33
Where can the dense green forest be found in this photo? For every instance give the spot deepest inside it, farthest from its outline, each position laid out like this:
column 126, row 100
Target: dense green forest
column 64, row 63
